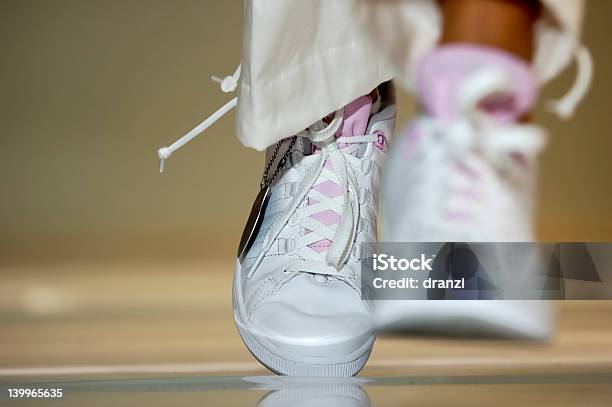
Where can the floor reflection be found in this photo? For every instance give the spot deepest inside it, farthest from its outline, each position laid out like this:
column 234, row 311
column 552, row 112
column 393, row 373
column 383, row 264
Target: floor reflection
column 319, row 392
column 535, row 389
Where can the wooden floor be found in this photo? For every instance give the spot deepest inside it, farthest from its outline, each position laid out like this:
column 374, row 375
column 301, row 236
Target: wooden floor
column 119, row 323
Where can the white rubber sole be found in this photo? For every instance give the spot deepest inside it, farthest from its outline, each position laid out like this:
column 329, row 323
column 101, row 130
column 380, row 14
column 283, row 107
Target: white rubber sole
column 284, row 366
column 530, row 320
column 278, row 362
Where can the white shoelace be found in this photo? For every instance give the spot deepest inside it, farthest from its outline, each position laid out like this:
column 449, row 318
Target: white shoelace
column 343, row 174
column 476, row 129
column 492, row 141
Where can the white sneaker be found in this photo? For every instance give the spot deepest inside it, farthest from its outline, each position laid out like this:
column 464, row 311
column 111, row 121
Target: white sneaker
column 465, row 172
column 297, row 300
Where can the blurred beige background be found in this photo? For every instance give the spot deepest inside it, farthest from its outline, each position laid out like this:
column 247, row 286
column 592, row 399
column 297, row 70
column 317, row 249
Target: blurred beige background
column 90, row 89
column 104, row 262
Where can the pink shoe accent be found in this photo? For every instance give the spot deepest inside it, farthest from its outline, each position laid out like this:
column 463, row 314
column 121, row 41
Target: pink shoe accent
column 329, row 217
column 441, row 73
column 356, row 116
column 329, row 188
column 381, row 144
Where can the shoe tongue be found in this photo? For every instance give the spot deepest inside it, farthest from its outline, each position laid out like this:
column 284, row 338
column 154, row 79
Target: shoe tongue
column 356, row 115
column 355, row 122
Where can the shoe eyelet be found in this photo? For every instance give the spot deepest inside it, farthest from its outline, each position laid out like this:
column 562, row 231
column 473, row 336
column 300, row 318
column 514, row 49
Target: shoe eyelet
column 293, row 220
column 290, row 247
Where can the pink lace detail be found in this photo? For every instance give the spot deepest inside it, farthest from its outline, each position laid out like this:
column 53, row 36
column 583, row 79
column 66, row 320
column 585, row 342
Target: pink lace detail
column 356, row 116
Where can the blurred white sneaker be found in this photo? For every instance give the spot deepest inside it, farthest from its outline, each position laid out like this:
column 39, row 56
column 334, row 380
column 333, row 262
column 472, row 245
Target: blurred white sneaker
column 465, row 172
column 297, row 302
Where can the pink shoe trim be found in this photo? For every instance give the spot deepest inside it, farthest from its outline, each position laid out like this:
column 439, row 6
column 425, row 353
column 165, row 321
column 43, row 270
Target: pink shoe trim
column 441, row 73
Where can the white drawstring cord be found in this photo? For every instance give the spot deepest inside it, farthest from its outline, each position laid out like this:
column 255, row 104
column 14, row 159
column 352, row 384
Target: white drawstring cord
column 565, row 106
column 228, row 84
